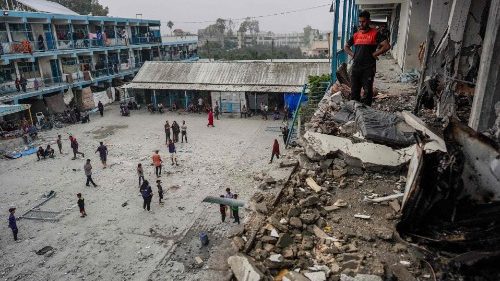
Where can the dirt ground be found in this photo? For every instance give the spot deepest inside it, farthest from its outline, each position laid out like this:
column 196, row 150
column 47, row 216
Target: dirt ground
column 128, row 243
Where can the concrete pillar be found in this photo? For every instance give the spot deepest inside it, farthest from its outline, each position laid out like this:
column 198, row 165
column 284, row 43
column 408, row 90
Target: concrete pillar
column 417, row 32
column 487, row 91
column 399, row 49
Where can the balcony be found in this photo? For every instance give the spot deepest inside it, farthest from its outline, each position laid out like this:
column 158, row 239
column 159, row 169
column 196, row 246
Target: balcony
column 8, row 91
column 173, row 40
column 145, row 40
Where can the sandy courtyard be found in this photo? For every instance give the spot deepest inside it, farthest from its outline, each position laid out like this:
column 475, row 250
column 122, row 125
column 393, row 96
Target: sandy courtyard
column 128, row 243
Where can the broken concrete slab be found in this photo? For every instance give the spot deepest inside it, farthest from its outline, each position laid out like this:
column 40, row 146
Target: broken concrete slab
column 288, row 163
column 368, row 153
column 294, row 276
column 419, row 125
column 312, row 184
column 316, row 276
column 360, row 277
column 244, row 268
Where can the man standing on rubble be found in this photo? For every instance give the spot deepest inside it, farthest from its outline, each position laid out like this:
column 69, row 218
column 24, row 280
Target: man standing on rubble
column 366, row 42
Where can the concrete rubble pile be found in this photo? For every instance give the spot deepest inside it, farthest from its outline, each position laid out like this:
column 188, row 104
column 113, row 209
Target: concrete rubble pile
column 354, row 210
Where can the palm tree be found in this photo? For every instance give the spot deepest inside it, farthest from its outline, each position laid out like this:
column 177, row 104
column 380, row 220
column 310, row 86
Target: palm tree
column 170, row 24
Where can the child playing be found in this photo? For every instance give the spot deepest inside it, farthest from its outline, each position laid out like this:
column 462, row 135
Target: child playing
column 59, row 143
column 173, row 152
column 81, row 205
column 140, row 173
column 160, row 190
column 222, row 210
column 235, row 211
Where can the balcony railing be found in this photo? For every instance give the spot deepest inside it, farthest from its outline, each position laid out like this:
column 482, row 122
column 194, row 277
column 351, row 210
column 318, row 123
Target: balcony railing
column 23, row 47
column 173, row 39
column 145, row 40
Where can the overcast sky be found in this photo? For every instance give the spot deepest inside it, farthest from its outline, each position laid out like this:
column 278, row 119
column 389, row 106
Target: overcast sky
column 184, row 11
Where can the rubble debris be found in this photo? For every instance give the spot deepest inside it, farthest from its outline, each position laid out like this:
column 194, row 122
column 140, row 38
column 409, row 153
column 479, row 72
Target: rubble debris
column 451, row 200
column 294, row 276
column 360, row 216
column 361, row 277
column 400, row 272
column 44, row 250
column 244, row 268
column 313, row 185
column 198, row 260
column 321, row 234
column 316, row 276
column 419, row 125
column 288, row 163
column 384, row 198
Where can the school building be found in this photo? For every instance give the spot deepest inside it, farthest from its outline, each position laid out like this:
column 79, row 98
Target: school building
column 65, row 57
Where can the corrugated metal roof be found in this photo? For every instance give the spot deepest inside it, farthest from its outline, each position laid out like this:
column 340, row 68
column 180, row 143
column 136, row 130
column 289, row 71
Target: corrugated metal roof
column 228, row 76
column 47, row 7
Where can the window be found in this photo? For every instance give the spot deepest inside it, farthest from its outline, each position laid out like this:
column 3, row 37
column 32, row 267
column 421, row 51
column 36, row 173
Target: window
column 85, row 63
column 20, row 32
column 29, row 69
column 69, row 65
column 7, row 73
column 63, row 32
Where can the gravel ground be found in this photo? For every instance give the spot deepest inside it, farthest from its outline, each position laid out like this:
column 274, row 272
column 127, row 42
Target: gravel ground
column 128, row 243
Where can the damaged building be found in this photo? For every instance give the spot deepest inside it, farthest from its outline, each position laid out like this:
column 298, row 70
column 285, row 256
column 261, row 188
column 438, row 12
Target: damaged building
column 385, row 194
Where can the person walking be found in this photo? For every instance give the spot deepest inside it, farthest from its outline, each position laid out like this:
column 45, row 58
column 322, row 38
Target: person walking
column 59, row 143
column 210, row 118
column 173, row 152
column 216, row 110
column 18, row 84
column 81, row 205
column 23, row 83
column 235, row 210
column 157, row 163
column 100, row 106
column 160, row 191
column 222, row 209
column 167, row 132
column 285, row 131
column 140, row 173
column 276, row 151
column 88, row 172
column 175, row 131
column 244, row 111
column 229, row 195
column 286, row 113
column 266, row 110
column 184, row 132
column 366, row 42
column 147, row 195
column 74, row 146
column 103, row 153
column 12, row 222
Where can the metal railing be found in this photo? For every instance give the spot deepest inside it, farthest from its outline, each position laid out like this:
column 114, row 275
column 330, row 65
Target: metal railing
column 145, row 40
column 50, row 82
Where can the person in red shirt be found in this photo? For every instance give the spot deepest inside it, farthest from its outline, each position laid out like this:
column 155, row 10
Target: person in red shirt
column 369, row 44
column 276, row 151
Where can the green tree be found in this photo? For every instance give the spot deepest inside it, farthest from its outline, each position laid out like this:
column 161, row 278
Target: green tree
column 85, row 7
column 170, row 24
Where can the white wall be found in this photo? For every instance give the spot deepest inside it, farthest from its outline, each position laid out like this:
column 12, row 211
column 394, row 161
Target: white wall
column 417, row 33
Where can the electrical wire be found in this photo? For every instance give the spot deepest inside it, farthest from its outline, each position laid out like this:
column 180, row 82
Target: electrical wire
column 256, row 17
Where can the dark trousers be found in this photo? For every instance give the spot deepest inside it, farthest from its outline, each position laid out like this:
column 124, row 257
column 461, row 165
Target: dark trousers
column 362, row 78
column 243, row 114
column 184, row 136
column 158, row 171
column 236, row 216
column 223, row 216
column 141, row 177
column 167, row 137
column 60, row 148
column 101, row 112
column 89, row 180
column 14, row 232
column 75, row 152
column 272, row 157
column 147, row 204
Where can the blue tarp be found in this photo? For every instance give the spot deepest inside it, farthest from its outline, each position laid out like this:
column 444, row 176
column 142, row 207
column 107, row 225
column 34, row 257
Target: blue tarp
column 292, row 100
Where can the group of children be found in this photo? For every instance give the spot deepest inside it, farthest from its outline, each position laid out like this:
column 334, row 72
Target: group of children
column 233, row 210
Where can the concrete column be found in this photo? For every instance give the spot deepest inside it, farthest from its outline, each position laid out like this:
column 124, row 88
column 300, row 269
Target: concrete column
column 417, row 33
column 487, row 91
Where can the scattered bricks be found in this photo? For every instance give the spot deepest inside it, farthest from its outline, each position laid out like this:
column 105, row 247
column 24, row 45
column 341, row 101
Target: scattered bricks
column 294, row 211
column 295, row 222
column 244, row 268
column 268, row 239
column 339, row 173
column 284, row 241
column 309, row 201
column 238, row 243
column 307, row 243
column 313, row 185
column 400, row 273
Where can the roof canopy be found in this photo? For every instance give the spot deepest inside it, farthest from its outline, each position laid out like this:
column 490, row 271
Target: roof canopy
column 242, row 76
column 47, row 7
column 6, row 109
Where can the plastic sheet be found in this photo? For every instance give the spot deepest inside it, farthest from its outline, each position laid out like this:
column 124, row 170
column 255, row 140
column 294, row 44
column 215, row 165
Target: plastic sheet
column 382, row 127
